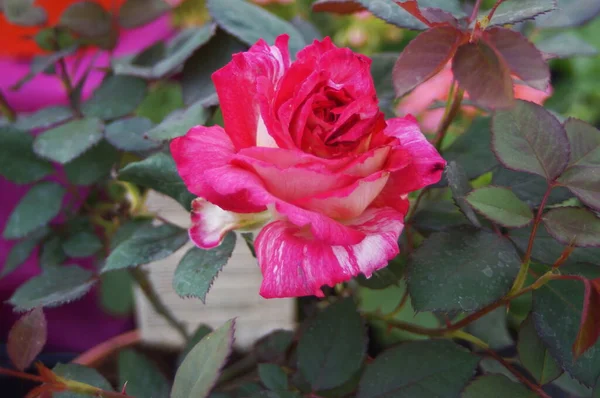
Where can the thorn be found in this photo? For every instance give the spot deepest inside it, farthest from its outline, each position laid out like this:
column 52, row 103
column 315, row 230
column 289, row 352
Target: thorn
column 123, row 390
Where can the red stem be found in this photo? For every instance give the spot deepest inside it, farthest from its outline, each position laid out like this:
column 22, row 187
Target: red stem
column 493, row 10
column 536, row 224
column 22, row 375
column 532, row 386
column 475, row 11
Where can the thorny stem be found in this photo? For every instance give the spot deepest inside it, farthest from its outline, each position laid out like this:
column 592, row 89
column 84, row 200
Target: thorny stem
column 143, row 281
column 452, row 109
column 532, row 386
column 6, row 109
column 522, row 276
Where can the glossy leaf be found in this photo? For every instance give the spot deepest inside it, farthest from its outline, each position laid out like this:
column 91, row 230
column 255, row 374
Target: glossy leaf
column 461, row 270
column 512, row 11
column 86, row 18
column 534, row 356
column 24, row 12
column 333, row 346
column 18, row 162
column 584, row 164
column 273, row 377
column 501, row 206
column 530, row 188
column 145, row 246
column 201, row 368
column 134, row 13
column 53, row 287
column 159, row 173
column 569, row 13
column 21, row 250
column 175, row 54
column 573, row 225
column 557, row 313
column 566, row 45
column 199, row 268
column 484, row 75
column 529, row 138
column 522, row 57
column 39, row 205
column 83, row 374
column 424, row 57
column 249, row 23
column 143, row 378
column 128, row 134
column 94, row 165
column 27, row 338
column 116, row 97
column 496, row 386
column 419, row 370
column 68, row 141
column 179, row 122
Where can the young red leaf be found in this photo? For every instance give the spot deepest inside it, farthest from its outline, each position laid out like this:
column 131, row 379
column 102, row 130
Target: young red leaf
column 521, row 56
column 589, row 328
column 337, row 6
column 27, row 338
column 484, row 75
column 429, row 16
column 424, row 57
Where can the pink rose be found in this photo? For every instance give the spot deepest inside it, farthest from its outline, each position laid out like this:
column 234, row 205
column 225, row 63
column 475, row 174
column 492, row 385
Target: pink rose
column 437, row 88
column 306, row 153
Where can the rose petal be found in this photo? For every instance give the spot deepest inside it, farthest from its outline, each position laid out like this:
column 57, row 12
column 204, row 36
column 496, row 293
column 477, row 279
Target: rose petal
column 236, row 85
column 295, row 264
column 210, row 223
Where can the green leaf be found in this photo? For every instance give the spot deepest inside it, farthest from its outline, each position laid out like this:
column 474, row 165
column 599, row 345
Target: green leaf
column 179, row 49
column 583, row 168
column 480, row 71
column 461, row 270
column 199, row 371
column 127, row 230
column 512, row 11
column 472, row 150
column 201, row 332
column 23, row 12
column 196, row 76
column 333, row 346
column 53, row 287
column 492, row 328
column 43, row 118
column 18, row 162
column 198, row 269
column 68, row 141
column 460, row 187
column 249, row 23
column 569, row 13
column 162, row 99
column 273, row 376
column 556, row 313
column 438, row 216
column 425, row 369
column 496, row 386
column 158, row 172
column 528, row 138
column 82, row 244
column 501, row 206
column 573, row 225
column 39, row 205
column 83, row 374
column 272, row 347
column 86, row 18
column 94, row 165
column 145, row 246
column 128, row 134
column 534, row 356
column 530, row 188
column 134, row 13
column 179, row 122
column 382, row 65
column 116, row 97
column 116, row 292
column 21, row 251
column 52, row 253
column 385, row 277
column 566, row 45
column 142, row 377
